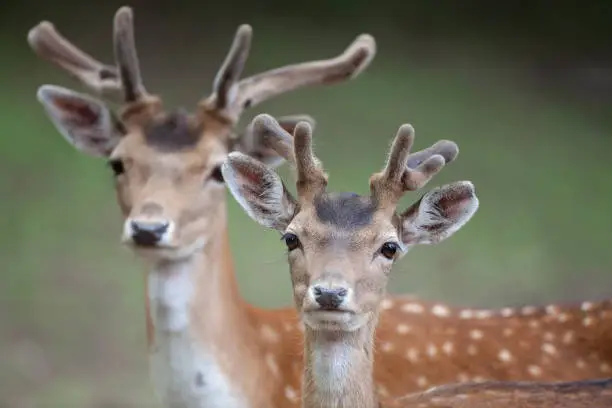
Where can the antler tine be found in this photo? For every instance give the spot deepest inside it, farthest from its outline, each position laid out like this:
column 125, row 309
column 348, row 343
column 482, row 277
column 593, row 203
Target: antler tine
column 268, row 130
column 258, row 88
column 126, row 56
column 50, row 45
column 297, row 150
column 229, row 73
column 409, row 172
column 311, row 179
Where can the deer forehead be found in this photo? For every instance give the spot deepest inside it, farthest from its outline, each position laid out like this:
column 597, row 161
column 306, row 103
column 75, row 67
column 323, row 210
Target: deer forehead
column 170, row 145
column 342, row 221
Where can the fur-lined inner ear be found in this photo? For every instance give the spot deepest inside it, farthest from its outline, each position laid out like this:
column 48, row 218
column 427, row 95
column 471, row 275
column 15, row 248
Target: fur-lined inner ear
column 259, row 191
column 439, row 214
column 85, row 122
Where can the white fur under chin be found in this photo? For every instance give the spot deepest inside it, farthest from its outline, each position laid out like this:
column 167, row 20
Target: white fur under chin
column 185, row 373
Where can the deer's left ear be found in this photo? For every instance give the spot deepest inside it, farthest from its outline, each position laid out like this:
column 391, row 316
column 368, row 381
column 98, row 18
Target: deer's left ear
column 250, row 144
column 439, row 214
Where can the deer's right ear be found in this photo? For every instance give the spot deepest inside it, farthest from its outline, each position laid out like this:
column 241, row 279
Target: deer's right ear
column 85, row 122
column 259, row 190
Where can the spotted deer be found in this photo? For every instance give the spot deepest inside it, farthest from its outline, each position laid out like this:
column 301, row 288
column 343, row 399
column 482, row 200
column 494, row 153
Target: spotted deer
column 341, row 248
column 206, row 344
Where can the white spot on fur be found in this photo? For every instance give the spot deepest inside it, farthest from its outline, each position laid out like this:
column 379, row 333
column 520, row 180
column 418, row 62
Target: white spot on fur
column 528, row 310
column 386, row 347
column 534, row 371
column 403, row 328
column 466, row 314
column 587, row 306
column 549, row 349
column 432, row 350
column 463, row 377
column 563, row 317
column 508, row 332
column 588, row 321
column 552, row 310
column 413, row 308
column 505, row 356
column 472, row 350
column 271, row 363
column 386, row 304
column 604, row 367
column 580, row 363
column 448, row 348
column 440, row 311
column 382, row 391
column 549, row 336
column 268, row 334
column 568, row 337
column 412, row 355
column 291, row 394
column 507, row 312
column 483, row 314
column 476, row 334
column 534, row 324
column 422, row 381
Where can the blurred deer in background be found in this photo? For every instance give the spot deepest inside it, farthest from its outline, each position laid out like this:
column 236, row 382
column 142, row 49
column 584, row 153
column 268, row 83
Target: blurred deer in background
column 341, row 248
column 208, row 346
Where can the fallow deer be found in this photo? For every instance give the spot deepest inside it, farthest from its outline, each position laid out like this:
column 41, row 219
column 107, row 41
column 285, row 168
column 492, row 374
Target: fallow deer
column 341, row 248
column 207, row 346
column 418, row 343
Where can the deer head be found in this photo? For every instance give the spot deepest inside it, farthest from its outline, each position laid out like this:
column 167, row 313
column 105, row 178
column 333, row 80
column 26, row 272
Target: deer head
column 166, row 164
column 341, row 246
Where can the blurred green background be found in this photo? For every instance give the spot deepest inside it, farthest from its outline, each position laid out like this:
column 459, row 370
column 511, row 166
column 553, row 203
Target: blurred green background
column 525, row 88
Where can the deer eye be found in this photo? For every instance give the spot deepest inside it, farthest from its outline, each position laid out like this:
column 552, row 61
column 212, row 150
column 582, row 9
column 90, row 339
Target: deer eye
column 116, row 166
column 216, row 174
column 389, row 249
column 291, row 240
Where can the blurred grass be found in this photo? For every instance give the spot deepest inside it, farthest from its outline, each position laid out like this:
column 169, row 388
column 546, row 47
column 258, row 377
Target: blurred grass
column 71, row 305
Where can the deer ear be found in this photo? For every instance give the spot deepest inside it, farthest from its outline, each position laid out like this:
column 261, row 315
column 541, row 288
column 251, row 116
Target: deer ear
column 85, row 122
column 252, row 145
column 259, row 191
column 439, row 214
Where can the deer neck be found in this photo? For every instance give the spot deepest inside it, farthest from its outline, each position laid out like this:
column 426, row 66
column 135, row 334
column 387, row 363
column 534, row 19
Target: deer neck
column 197, row 326
column 338, row 369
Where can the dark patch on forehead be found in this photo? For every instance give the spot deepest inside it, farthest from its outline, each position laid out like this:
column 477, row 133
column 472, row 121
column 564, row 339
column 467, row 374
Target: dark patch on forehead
column 344, row 210
column 172, row 133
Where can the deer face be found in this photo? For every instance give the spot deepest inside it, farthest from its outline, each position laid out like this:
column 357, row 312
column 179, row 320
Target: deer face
column 340, row 253
column 341, row 247
column 166, row 164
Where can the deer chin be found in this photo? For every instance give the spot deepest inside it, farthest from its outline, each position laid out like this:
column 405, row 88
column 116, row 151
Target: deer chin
column 332, row 320
column 159, row 253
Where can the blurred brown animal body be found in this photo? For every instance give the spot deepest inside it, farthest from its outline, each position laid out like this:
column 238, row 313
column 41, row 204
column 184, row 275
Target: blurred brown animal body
column 207, row 346
column 341, row 248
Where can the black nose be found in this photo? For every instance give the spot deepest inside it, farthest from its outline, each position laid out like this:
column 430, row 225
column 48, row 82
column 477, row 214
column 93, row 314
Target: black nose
column 329, row 298
column 148, row 233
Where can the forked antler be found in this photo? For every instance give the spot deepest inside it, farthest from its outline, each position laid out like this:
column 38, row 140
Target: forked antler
column 297, row 150
column 409, row 172
column 50, row 45
column 404, row 171
column 123, row 82
column 232, row 95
